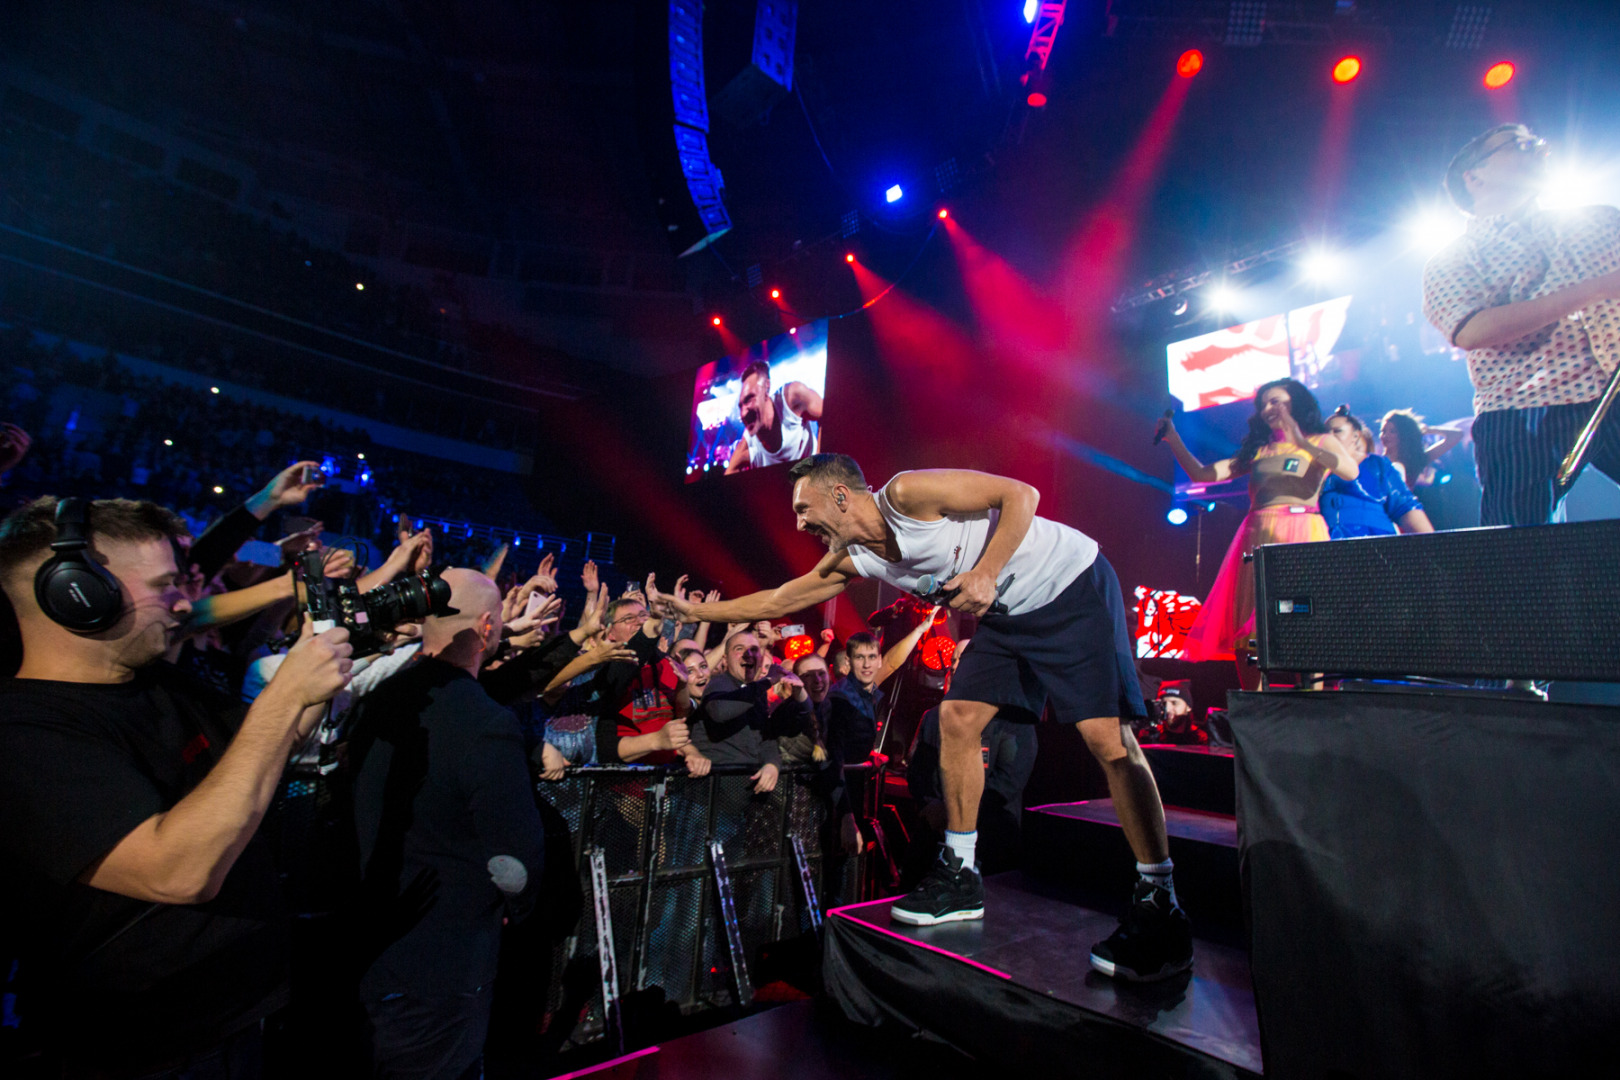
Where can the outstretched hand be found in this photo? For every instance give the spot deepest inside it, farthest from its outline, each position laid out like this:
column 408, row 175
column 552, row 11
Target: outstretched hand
column 14, row 444
column 286, row 488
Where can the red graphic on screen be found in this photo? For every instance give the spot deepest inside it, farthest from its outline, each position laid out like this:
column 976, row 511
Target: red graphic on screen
column 1163, row 617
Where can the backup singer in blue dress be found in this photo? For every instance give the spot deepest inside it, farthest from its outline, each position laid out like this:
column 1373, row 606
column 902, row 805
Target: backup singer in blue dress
column 1378, row 500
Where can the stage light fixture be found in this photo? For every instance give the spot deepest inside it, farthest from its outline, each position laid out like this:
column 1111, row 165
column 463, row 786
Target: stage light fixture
column 1031, row 8
column 849, row 256
column 1189, row 63
column 944, row 213
column 1177, row 515
column 218, row 490
column 1434, row 228
column 776, row 294
column 213, row 389
column 715, row 320
column 1180, row 307
column 1347, row 69
column 168, row 442
column 1221, row 298
column 894, row 194
column 360, row 286
column 1036, row 99
column 1499, row 75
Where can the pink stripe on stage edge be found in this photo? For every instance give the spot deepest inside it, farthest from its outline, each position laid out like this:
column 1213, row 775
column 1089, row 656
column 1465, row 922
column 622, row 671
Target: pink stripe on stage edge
column 608, row 1064
column 840, row 912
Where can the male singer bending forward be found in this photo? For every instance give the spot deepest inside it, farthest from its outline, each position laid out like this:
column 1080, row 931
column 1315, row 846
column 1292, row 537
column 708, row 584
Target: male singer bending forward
column 1052, row 628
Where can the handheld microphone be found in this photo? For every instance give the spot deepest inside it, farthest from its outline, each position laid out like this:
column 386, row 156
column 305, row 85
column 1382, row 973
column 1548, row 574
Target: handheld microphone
column 1158, row 435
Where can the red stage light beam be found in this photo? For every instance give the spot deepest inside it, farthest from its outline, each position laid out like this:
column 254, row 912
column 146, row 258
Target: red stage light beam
column 1499, row 75
column 1012, row 312
column 1095, row 260
column 1347, row 70
column 1189, row 63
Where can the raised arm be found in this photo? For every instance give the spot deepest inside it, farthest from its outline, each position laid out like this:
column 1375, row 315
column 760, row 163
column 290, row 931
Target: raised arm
column 1449, row 437
column 802, row 400
column 896, row 657
column 826, row 581
column 1224, row 469
column 221, row 609
column 182, row 855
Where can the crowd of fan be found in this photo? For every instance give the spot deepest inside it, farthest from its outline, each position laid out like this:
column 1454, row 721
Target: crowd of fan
column 99, row 429
column 622, row 684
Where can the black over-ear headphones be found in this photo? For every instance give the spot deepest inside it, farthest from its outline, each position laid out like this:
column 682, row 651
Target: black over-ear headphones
column 73, row 589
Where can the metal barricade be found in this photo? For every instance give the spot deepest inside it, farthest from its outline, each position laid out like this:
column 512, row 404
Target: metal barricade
column 653, row 827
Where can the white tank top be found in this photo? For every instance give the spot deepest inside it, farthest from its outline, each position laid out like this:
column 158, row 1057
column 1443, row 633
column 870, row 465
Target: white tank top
column 1047, row 561
column 796, row 438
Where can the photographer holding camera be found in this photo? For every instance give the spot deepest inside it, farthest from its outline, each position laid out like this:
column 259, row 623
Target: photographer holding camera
column 132, row 797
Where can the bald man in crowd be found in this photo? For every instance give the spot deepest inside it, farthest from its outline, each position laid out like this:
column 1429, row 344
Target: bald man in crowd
column 450, row 842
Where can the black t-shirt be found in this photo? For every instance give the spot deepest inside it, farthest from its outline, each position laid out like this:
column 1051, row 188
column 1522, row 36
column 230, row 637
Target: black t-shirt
column 106, row 977
column 441, row 787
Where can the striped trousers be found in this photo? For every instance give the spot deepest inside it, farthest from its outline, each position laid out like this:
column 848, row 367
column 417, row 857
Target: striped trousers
column 1517, row 453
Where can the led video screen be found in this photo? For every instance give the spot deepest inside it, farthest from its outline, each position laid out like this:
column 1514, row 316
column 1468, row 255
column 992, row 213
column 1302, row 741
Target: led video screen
column 1230, row 365
column 761, row 407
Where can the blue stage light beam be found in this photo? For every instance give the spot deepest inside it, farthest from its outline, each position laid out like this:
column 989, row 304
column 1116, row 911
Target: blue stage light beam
column 894, row 194
column 1177, row 515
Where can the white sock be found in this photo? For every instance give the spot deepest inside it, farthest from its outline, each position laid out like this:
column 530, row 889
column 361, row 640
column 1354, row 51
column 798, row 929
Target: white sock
column 962, row 845
column 1158, row 873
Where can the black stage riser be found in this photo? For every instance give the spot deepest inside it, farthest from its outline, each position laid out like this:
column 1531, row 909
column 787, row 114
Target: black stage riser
column 1093, row 858
column 1431, row 884
column 1508, row 603
column 1194, row 777
column 1015, row 992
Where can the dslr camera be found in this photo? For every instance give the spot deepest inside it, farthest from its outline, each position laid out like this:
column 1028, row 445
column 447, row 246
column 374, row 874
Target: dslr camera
column 368, row 616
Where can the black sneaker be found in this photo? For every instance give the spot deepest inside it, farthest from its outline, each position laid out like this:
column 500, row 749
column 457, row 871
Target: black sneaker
column 1154, row 940
column 950, row 893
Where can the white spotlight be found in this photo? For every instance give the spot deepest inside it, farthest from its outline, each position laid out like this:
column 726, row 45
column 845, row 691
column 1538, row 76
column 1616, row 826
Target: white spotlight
column 1569, row 187
column 1222, row 298
column 1322, row 265
column 1434, row 228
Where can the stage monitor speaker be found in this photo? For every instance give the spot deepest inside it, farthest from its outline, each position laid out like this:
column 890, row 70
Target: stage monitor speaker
column 1538, row 602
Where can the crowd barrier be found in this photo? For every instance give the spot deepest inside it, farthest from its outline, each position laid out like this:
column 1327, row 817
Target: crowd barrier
column 682, row 880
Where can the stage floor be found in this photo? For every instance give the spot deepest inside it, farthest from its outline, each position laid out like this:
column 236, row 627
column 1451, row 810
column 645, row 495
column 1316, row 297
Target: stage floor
column 1033, row 937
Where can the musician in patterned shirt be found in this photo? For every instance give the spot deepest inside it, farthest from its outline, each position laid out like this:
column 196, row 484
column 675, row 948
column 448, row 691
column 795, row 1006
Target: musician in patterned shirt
column 1531, row 295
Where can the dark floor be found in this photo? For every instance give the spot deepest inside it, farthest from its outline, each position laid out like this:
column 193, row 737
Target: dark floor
column 1039, row 939
column 799, row 1041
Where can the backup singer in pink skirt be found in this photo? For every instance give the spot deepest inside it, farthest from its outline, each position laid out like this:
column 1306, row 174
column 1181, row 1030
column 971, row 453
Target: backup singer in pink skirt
column 1288, row 454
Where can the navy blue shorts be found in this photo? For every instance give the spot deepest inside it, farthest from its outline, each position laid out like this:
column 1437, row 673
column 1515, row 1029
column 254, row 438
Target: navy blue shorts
column 1074, row 652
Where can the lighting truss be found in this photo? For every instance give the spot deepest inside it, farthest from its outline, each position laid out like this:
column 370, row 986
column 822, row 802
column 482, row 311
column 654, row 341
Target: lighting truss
column 1468, row 25
column 1246, row 22
column 1042, row 36
column 1168, row 285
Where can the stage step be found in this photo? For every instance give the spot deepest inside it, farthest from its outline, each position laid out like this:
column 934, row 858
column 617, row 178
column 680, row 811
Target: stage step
column 1195, row 777
column 1014, row 990
column 1081, row 845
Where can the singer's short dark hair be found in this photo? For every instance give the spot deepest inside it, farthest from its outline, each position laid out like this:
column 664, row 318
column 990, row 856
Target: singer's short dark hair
column 825, row 470
column 758, row 367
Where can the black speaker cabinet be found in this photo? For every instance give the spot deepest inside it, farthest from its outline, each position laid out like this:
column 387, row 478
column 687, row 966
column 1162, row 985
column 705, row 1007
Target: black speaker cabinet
column 1538, row 602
